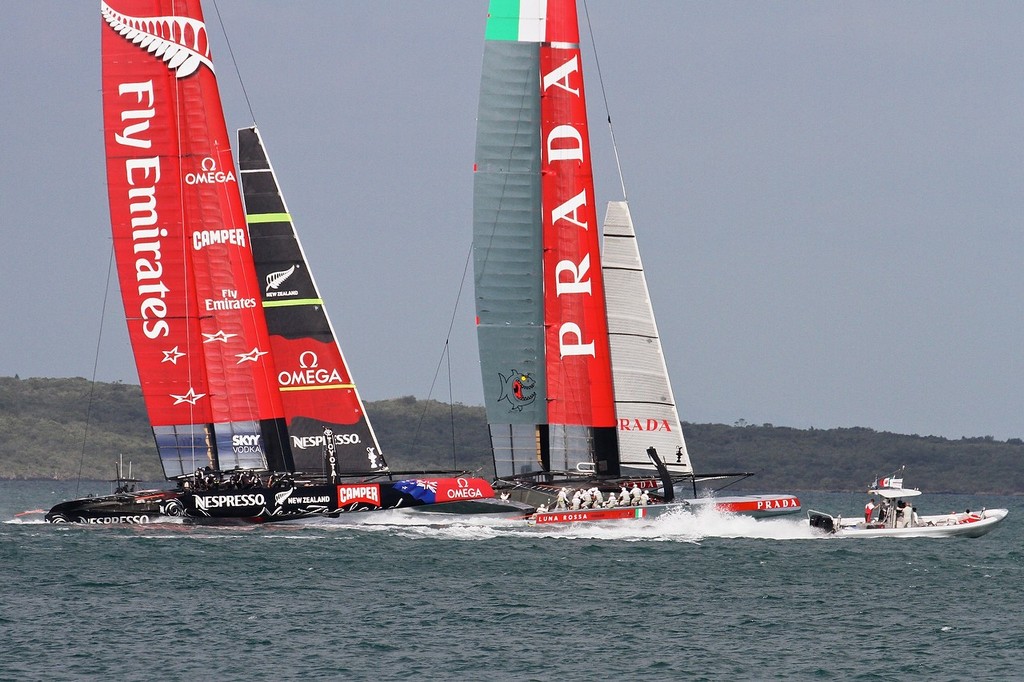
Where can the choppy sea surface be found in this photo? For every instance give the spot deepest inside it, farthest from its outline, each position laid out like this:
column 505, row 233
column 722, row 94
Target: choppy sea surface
column 388, row 597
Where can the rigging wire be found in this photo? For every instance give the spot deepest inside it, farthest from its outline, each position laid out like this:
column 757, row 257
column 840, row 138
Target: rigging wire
column 446, row 354
column 604, row 96
column 95, row 366
column 234, row 63
column 451, row 410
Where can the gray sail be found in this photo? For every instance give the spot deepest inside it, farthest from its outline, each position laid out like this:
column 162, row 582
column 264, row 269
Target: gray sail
column 507, row 254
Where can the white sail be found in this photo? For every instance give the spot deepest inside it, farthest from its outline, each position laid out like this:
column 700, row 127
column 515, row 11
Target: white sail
column 644, row 405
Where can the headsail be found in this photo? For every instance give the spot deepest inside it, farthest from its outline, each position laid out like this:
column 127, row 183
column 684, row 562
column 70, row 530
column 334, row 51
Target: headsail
column 315, row 383
column 540, row 303
column 644, row 405
column 181, row 245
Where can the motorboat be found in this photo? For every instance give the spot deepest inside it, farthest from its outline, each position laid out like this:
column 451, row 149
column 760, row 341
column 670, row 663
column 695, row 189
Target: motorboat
column 896, row 516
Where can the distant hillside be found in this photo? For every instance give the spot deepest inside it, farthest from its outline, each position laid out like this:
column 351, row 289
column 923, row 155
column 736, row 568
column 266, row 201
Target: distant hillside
column 848, row 459
column 43, row 434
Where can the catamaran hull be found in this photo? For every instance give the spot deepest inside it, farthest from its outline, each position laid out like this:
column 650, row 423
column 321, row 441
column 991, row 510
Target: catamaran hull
column 489, row 507
column 613, row 514
column 942, row 526
column 758, row 506
column 128, row 508
column 264, row 504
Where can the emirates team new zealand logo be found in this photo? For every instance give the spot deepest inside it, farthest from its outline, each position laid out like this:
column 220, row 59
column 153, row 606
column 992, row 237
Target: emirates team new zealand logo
column 181, row 42
column 517, row 389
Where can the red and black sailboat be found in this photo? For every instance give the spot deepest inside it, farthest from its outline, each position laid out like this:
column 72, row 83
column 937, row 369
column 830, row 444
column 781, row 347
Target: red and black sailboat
column 253, row 408
column 578, row 396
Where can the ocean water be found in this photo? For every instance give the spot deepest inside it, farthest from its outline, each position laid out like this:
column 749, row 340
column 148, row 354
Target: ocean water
column 388, row 597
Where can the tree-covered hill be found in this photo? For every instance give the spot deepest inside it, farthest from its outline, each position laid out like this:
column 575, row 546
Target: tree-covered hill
column 44, row 434
column 850, row 458
column 43, row 431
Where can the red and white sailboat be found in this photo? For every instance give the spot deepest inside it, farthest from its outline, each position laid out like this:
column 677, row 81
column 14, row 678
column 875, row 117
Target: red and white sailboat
column 579, row 402
column 253, row 408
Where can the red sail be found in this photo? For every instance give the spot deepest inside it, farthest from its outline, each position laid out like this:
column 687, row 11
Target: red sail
column 578, row 357
column 181, row 244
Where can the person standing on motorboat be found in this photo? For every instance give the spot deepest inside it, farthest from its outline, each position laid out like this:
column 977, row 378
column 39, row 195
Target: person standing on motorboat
column 902, row 514
column 868, row 509
column 884, row 511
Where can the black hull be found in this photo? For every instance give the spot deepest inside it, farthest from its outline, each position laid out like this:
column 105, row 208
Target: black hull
column 263, row 504
column 491, row 507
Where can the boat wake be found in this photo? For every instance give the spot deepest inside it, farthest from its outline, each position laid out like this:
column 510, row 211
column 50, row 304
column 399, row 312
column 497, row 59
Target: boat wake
column 682, row 526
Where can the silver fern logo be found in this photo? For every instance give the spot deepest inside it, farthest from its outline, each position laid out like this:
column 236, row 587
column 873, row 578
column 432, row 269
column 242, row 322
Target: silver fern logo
column 276, row 279
column 181, row 42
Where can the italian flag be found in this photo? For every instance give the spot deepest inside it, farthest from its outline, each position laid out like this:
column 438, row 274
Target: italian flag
column 519, row 20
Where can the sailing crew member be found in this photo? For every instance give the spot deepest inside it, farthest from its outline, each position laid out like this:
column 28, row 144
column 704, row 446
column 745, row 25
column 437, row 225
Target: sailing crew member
column 868, row 509
column 562, row 501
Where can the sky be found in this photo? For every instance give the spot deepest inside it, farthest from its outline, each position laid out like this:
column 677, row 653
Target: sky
column 829, row 196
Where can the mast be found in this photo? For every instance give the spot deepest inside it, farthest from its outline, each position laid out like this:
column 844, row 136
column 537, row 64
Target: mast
column 541, row 318
column 182, row 249
column 315, row 384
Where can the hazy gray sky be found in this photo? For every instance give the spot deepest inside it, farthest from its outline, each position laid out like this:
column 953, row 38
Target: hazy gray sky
column 829, row 196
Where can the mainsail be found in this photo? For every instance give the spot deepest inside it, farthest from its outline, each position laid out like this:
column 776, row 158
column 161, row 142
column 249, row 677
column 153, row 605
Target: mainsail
column 315, row 382
column 191, row 297
column 542, row 326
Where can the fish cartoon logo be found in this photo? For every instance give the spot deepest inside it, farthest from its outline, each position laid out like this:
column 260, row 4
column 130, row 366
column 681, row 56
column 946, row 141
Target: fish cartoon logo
column 517, row 389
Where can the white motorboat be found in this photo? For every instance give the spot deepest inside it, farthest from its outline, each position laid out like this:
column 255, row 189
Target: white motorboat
column 896, row 516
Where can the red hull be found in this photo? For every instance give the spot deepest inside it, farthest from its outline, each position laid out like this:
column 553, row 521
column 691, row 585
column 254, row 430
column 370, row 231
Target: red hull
column 757, row 506
column 593, row 515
